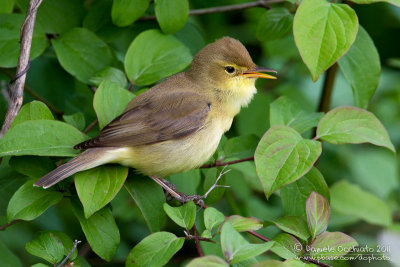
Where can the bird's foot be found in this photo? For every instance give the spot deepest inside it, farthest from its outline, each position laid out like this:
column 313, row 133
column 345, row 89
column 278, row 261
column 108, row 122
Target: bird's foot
column 171, row 189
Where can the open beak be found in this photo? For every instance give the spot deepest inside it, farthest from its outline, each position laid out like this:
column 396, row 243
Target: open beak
column 257, row 73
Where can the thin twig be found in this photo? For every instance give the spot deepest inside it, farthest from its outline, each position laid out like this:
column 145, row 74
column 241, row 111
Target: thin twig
column 36, row 96
column 4, row 226
column 259, row 236
column 91, row 125
column 327, row 89
column 218, row 163
column 219, row 9
column 17, row 92
column 76, row 242
column 197, row 242
column 315, row 262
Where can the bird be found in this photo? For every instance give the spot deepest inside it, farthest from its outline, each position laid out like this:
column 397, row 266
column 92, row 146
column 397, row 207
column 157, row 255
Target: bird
column 177, row 124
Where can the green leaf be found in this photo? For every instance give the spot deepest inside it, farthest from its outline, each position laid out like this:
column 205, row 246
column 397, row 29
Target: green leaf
column 32, row 166
column 350, row 125
column 213, row 218
column 153, row 55
column 100, row 230
column 295, row 194
column 46, row 246
column 41, row 138
column 286, row 263
column 6, row 6
column 350, row 199
column 332, row 244
column 284, row 111
column 67, row 244
column 283, row 156
column 140, row 188
column 7, row 257
column 109, row 101
column 10, row 25
column 125, row 12
column 294, row 225
column 191, row 36
column 318, row 213
column 82, row 54
column 184, row 215
column 208, row 261
column 242, row 146
column 186, row 182
column 29, row 202
column 362, row 68
column 57, row 16
column 323, row 33
column 236, row 249
column 243, row 224
column 97, row 187
column 171, row 15
column 286, row 246
column 393, row 2
column 112, row 74
column 34, row 110
column 77, row 120
column 275, row 24
column 155, row 250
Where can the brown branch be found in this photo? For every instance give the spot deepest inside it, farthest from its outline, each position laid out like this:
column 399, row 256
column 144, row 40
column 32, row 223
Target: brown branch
column 36, row 96
column 218, row 163
column 4, row 226
column 263, row 238
column 196, row 240
column 91, row 125
column 327, row 89
column 220, row 9
column 17, row 92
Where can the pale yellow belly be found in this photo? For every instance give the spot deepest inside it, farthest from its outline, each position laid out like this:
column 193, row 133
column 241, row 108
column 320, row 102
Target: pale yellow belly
column 169, row 157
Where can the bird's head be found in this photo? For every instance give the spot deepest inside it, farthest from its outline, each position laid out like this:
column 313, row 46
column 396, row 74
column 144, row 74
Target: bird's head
column 226, row 66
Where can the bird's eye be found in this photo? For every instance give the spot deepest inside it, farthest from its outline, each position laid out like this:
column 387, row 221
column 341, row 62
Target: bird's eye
column 229, row 69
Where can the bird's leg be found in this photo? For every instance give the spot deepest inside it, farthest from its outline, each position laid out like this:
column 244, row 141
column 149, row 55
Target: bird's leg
column 181, row 197
column 171, row 189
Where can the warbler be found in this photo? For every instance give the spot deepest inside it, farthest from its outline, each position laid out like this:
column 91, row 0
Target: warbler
column 176, row 125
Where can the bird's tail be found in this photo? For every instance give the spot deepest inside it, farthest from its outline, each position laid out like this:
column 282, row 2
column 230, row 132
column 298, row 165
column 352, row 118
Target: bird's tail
column 90, row 158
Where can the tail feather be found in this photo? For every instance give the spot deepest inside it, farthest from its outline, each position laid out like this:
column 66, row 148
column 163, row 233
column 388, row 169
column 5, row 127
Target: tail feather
column 88, row 159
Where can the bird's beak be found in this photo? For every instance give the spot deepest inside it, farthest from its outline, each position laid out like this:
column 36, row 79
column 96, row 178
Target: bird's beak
column 256, row 73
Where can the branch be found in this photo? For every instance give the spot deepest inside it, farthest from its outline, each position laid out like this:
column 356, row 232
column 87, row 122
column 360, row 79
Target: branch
column 327, row 89
column 62, row 264
column 218, row 163
column 4, row 226
column 220, row 9
column 91, row 125
column 17, row 92
column 36, row 96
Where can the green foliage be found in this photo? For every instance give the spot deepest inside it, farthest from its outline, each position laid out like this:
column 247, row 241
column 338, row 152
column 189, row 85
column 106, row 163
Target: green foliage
column 41, row 138
column 89, row 59
column 236, row 249
column 97, row 187
column 283, row 156
column 109, row 101
column 323, row 33
column 350, row 125
column 361, row 67
column 171, row 15
column 82, row 53
column 184, row 216
column 153, row 55
column 10, row 25
column 29, row 202
column 100, row 230
column 150, row 252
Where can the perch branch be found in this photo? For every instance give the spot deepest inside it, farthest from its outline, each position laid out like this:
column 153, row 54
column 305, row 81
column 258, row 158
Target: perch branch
column 327, row 89
column 220, row 9
column 4, row 226
column 17, row 92
column 219, row 163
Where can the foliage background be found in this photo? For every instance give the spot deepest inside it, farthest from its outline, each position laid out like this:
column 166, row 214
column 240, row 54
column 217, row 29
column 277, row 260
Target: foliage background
column 373, row 169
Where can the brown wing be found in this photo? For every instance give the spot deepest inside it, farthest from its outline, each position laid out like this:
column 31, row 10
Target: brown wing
column 153, row 119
